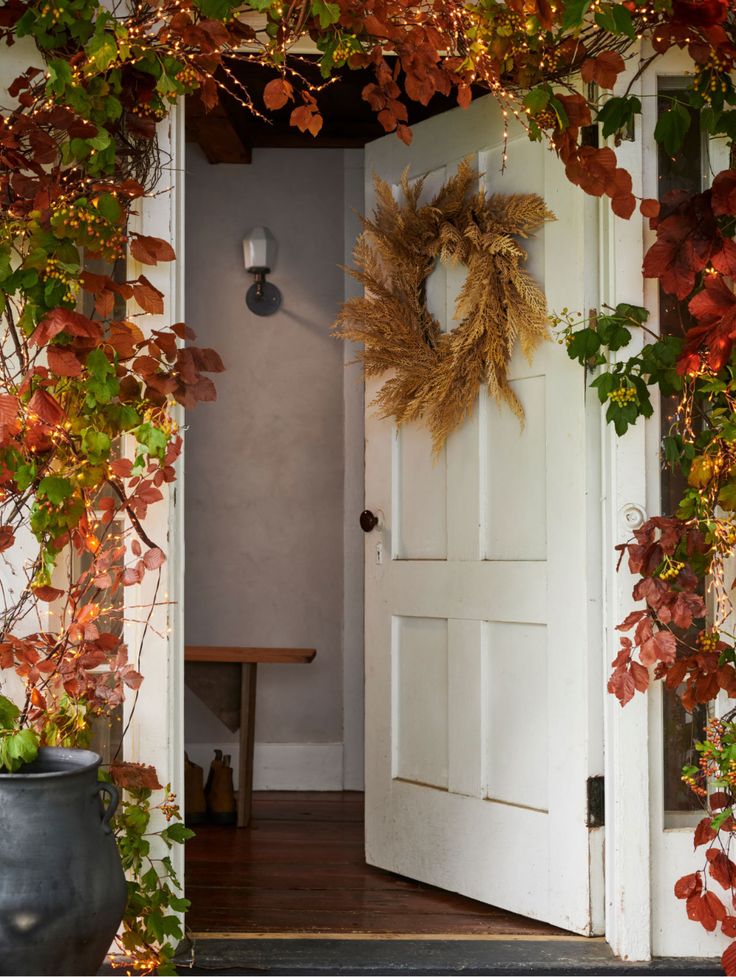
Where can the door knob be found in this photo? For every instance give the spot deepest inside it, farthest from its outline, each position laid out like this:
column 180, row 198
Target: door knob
column 368, row 521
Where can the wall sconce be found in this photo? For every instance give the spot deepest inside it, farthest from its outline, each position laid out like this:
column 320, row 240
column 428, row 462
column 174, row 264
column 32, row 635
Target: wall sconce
column 259, row 254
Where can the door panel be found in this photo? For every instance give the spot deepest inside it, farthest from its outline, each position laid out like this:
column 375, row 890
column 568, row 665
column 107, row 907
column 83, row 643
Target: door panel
column 481, row 640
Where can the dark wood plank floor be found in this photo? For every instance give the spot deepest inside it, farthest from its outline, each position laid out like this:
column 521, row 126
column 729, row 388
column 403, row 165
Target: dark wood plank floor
column 299, row 868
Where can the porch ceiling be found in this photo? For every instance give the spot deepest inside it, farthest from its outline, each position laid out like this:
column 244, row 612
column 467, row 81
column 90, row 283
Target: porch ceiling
column 230, row 132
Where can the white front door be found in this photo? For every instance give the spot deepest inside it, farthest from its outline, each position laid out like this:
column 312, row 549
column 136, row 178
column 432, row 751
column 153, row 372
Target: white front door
column 483, row 639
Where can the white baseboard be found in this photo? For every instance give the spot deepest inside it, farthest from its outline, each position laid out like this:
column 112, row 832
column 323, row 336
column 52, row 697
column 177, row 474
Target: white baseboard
column 282, row 766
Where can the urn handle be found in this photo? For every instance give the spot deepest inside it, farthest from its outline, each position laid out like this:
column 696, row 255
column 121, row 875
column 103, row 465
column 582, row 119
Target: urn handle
column 114, row 794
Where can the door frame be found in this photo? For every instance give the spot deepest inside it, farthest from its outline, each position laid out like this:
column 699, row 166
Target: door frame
column 159, row 723
column 156, row 732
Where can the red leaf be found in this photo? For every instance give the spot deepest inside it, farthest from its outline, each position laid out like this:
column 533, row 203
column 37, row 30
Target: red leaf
column 604, row 69
column 133, row 679
column 660, row 647
column 7, row 538
column 623, row 205
column 728, row 926
column 715, row 309
column 706, row 910
column 724, row 193
column 63, row 320
column 687, row 235
column 649, row 208
column 277, row 93
column 689, row 885
column 720, row 799
column 122, row 467
column 47, row 594
column 728, row 960
column 46, row 407
column 721, row 868
column 703, row 833
column 154, row 558
column 640, row 676
column 148, row 296
column 8, row 416
column 151, row 250
column 135, row 776
column 306, row 118
column 63, row 362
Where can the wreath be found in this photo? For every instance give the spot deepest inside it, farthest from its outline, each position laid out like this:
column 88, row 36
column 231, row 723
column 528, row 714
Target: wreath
column 437, row 375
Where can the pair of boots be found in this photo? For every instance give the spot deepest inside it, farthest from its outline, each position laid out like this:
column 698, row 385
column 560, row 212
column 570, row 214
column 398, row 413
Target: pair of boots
column 213, row 801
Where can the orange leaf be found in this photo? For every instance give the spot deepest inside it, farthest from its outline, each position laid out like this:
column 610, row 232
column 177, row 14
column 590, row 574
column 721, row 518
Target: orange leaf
column 649, row 208
column 63, row 362
column 148, row 296
column 277, row 93
column 151, row 250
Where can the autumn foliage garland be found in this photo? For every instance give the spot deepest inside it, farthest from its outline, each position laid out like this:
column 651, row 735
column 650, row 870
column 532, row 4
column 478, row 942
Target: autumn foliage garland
column 78, row 375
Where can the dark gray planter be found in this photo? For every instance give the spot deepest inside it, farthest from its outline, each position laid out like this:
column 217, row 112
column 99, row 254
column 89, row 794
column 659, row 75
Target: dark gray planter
column 62, row 889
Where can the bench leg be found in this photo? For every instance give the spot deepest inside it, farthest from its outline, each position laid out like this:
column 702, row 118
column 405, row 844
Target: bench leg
column 247, row 741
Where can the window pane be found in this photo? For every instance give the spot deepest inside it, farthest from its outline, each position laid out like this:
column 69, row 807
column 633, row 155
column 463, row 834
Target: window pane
column 680, row 729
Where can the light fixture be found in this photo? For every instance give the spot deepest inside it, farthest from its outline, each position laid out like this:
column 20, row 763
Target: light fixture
column 259, row 254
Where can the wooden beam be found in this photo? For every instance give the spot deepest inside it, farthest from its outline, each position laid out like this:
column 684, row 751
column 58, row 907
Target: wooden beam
column 214, row 134
column 252, row 656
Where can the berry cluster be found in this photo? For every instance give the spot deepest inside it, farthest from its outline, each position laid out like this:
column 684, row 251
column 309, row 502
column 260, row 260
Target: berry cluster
column 622, row 396
column 189, row 77
column 712, row 76
column 147, row 110
column 547, row 119
column 90, row 229
column 693, row 784
column 51, row 12
column 707, row 640
column 670, row 569
column 55, row 271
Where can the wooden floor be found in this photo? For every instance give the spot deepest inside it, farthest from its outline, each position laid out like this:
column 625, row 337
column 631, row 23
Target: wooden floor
column 299, row 868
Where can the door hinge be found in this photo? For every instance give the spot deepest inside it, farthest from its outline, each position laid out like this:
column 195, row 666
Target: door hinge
column 596, row 802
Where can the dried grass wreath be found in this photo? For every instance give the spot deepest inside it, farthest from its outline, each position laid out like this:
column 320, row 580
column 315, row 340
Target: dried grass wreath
column 436, row 375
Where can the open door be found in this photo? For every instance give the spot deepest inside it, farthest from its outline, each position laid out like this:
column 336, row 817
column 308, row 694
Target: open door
column 483, row 641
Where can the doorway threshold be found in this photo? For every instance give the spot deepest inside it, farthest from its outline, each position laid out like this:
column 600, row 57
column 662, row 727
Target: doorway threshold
column 406, row 955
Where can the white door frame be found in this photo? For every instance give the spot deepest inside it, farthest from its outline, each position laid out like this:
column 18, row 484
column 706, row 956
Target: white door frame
column 624, row 496
column 626, row 489
column 156, row 733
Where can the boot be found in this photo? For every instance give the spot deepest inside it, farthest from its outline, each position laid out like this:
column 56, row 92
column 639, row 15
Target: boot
column 220, row 794
column 195, row 805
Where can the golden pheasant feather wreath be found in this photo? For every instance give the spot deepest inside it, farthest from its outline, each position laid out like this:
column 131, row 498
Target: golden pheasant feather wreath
column 436, row 374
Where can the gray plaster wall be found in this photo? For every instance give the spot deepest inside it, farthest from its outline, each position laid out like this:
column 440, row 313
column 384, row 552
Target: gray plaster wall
column 264, row 469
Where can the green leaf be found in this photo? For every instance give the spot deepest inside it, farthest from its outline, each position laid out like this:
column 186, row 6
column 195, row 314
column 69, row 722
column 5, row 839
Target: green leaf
column 618, row 114
column 9, row 712
column 727, row 497
column 327, row 13
column 616, row 19
column 153, row 438
column 17, row 749
column 584, row 345
column 220, row 9
column 177, row 833
column 25, row 475
column 95, row 445
column 98, row 364
column 613, row 334
column 55, row 489
column 636, row 312
column 604, row 384
column 102, row 50
column 575, row 11
column 537, row 99
column 672, row 127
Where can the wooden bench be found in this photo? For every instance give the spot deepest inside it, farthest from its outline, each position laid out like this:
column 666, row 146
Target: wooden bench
column 248, row 659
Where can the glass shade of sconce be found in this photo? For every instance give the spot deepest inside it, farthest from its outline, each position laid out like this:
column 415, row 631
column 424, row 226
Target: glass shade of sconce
column 259, row 255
